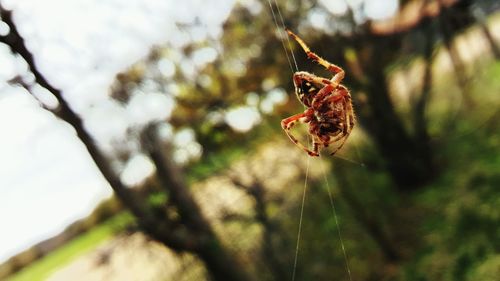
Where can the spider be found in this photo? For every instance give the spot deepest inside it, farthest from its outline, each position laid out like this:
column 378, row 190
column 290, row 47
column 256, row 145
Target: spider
column 329, row 110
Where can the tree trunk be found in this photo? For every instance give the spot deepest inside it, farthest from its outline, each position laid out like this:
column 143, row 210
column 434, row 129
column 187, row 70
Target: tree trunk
column 207, row 246
column 408, row 162
column 257, row 191
column 221, row 266
column 409, row 166
column 420, row 122
column 448, row 31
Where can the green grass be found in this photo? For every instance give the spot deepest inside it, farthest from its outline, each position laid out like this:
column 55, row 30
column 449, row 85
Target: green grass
column 41, row 269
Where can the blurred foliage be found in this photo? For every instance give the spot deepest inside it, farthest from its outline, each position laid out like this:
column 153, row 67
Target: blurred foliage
column 446, row 227
column 462, row 230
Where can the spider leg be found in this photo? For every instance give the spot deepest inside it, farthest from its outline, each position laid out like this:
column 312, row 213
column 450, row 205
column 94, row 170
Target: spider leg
column 324, row 92
column 288, row 123
column 309, row 77
column 352, row 117
column 315, row 147
column 344, row 138
column 337, row 70
column 317, row 140
column 348, row 114
column 328, row 93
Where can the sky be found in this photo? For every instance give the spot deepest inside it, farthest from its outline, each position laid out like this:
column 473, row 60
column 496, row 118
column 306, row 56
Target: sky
column 47, row 179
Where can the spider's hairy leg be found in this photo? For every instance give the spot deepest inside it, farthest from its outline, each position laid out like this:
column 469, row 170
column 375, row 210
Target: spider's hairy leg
column 327, row 92
column 331, row 96
column 344, row 138
column 315, row 148
column 335, row 69
column 311, row 78
column 317, row 141
column 288, row 123
column 348, row 115
column 328, row 88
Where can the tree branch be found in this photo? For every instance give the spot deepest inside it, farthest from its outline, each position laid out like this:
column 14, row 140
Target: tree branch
column 420, row 121
column 17, row 45
column 257, row 190
column 173, row 183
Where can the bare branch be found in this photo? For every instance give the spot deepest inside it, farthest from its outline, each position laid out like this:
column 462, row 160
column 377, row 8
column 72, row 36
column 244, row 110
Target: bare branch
column 173, row 183
column 17, row 45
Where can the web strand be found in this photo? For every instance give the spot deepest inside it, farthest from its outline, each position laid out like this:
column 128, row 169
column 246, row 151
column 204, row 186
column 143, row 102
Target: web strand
column 361, row 164
column 330, row 196
column 280, row 32
column 287, row 37
column 300, row 221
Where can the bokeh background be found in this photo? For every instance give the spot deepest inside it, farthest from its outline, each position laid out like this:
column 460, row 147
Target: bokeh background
column 141, row 140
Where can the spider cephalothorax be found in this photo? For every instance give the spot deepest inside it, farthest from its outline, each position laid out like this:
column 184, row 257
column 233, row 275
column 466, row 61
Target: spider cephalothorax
column 329, row 110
